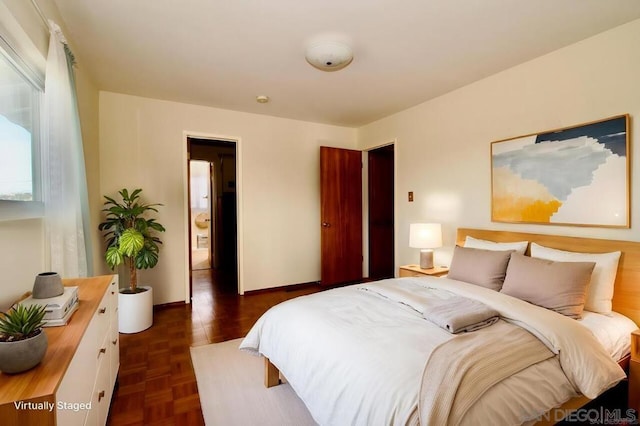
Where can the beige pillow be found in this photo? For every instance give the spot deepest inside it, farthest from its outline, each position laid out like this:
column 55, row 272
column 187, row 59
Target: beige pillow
column 519, row 246
column 600, row 288
column 486, row 268
column 559, row 286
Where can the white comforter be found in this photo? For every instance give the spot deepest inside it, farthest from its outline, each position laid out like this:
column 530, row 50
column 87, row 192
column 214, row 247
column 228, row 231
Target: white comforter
column 356, row 358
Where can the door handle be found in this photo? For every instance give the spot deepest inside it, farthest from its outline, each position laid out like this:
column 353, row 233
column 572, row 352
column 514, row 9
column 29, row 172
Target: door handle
column 326, row 225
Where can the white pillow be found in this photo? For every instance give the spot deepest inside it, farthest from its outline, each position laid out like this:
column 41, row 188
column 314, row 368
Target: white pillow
column 600, row 289
column 520, row 246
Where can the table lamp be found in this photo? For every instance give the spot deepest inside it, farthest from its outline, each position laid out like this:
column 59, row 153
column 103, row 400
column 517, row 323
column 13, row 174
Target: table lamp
column 426, row 237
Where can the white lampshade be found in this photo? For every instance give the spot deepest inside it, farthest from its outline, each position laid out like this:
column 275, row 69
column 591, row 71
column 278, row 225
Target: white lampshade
column 425, row 235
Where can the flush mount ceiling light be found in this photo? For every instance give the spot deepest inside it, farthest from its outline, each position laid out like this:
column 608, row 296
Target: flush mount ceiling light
column 262, row 99
column 329, row 56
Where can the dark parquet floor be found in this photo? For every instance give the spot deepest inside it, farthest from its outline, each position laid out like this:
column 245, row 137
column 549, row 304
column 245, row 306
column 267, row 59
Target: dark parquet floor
column 156, row 383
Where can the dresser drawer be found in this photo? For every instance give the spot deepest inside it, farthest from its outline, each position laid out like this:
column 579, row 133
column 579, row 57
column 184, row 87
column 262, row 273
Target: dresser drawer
column 103, row 317
column 405, row 273
column 76, row 385
column 113, row 292
column 101, row 395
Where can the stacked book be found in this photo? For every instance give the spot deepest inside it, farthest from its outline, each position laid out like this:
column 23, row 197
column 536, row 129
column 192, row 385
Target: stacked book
column 58, row 309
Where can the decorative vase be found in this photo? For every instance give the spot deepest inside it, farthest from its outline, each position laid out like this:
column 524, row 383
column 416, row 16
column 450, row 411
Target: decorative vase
column 46, row 285
column 135, row 310
column 23, row 355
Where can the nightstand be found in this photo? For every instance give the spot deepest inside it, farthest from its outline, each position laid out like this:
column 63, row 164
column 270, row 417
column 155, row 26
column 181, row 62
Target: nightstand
column 416, row 271
column 634, row 372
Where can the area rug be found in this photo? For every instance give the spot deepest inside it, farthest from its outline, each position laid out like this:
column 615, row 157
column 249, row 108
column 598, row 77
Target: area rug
column 232, row 392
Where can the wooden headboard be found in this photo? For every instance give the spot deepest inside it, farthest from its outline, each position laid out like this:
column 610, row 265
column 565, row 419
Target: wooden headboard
column 626, row 297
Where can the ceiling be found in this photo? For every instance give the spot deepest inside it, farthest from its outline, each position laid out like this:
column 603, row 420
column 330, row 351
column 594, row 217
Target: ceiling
column 224, row 53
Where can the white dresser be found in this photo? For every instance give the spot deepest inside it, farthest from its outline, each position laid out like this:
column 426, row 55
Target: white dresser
column 77, row 376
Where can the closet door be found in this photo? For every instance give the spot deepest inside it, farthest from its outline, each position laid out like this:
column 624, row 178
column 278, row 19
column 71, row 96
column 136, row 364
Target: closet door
column 341, row 215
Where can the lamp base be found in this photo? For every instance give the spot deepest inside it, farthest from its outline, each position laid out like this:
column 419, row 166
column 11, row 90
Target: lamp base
column 426, row 259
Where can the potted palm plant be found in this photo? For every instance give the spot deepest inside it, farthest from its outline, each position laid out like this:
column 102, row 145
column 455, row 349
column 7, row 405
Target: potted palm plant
column 23, row 342
column 131, row 239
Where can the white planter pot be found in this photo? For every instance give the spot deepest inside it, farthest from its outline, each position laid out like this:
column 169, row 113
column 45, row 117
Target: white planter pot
column 135, row 311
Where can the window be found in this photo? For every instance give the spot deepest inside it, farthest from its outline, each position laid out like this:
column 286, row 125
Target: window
column 20, row 186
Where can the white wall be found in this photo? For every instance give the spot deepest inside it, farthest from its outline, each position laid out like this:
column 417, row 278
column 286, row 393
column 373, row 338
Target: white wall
column 142, row 144
column 443, row 145
column 22, row 244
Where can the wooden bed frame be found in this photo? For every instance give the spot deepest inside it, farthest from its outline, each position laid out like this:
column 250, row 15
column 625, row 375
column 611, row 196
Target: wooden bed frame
column 626, row 296
column 626, row 299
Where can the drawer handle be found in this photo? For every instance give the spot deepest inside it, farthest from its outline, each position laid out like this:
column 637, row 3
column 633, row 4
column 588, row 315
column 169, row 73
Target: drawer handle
column 113, row 342
column 113, row 292
column 102, row 310
column 100, row 396
column 102, row 351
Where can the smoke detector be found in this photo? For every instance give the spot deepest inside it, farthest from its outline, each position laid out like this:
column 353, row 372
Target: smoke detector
column 329, row 56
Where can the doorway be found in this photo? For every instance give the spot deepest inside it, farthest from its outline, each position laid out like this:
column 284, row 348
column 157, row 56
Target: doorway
column 380, row 183
column 201, row 183
column 212, row 169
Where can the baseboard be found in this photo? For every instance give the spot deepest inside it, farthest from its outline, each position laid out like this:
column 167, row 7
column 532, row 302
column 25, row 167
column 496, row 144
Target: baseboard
column 301, row 286
column 169, row 305
column 290, row 287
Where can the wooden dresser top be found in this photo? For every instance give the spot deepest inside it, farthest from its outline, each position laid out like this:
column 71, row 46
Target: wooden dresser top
column 44, row 379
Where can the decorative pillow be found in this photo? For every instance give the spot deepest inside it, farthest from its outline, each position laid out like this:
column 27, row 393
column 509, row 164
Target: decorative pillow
column 481, row 267
column 559, row 286
column 520, row 246
column 600, row 289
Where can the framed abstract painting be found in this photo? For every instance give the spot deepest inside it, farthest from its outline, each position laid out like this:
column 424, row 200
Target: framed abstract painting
column 572, row 176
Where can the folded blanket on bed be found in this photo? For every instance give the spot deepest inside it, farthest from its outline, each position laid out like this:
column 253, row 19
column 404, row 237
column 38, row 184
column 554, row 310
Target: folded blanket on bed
column 459, row 314
column 454, row 313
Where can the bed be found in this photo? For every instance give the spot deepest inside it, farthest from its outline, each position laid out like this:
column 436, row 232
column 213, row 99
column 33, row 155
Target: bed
column 365, row 354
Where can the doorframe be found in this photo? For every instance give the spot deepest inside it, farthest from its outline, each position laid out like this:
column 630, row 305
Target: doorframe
column 185, row 202
column 365, row 205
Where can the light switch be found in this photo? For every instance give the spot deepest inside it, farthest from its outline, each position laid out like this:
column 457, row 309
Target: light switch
column 410, row 196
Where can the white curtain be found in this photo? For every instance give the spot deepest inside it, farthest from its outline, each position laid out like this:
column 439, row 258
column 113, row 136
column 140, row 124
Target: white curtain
column 64, row 177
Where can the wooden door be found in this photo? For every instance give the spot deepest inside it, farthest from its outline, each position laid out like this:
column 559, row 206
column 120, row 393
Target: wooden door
column 381, row 183
column 341, row 215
